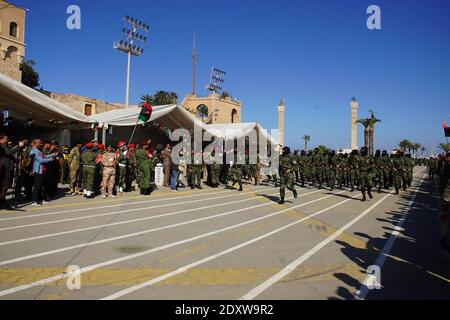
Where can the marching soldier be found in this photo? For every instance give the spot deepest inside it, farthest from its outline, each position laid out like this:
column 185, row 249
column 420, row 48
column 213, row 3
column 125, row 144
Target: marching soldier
column 379, row 170
column 353, row 170
column 287, row 167
column 144, row 169
column 88, row 159
column 387, row 168
column 366, row 167
column 400, row 179
column 109, row 172
column 74, row 167
column 331, row 169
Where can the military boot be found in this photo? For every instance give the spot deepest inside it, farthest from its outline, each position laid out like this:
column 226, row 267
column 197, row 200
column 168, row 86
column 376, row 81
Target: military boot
column 240, row 188
column 369, row 192
column 379, row 189
column 364, row 197
column 295, row 193
column 281, row 201
column 397, row 191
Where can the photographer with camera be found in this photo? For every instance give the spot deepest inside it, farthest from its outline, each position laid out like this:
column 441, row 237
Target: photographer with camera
column 7, row 166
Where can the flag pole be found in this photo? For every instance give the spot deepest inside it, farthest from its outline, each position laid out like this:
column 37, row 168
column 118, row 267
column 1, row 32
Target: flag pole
column 132, row 135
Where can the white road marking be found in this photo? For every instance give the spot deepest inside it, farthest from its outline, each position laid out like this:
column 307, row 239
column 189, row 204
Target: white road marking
column 217, row 255
column 140, row 233
column 361, row 294
column 116, row 212
column 49, row 235
column 293, row 265
column 32, row 215
column 157, row 249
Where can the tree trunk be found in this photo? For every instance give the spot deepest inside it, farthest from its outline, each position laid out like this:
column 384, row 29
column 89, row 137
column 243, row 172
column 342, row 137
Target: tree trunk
column 306, row 146
column 366, row 138
column 371, row 141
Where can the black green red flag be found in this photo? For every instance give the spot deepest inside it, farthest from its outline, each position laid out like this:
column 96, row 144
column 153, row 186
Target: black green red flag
column 146, row 112
column 446, row 129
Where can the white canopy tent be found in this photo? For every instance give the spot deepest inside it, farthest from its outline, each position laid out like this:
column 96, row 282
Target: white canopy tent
column 25, row 103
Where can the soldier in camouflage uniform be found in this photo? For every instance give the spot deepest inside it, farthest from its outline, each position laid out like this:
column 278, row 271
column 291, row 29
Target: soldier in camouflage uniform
column 236, row 171
column 432, row 167
column 287, row 167
column 196, row 171
column 302, row 162
column 354, row 177
column 331, row 169
column 387, row 168
column 318, row 164
column 109, row 172
column 379, row 170
column 341, row 170
column 131, row 168
column 74, row 167
column 366, row 168
column 399, row 168
column 409, row 162
column 121, row 167
column 88, row 159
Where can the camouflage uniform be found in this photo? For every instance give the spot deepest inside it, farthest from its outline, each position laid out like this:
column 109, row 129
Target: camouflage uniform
column 74, row 166
column 144, row 170
column 331, row 170
column 366, row 172
column 353, row 170
column 400, row 178
column 287, row 167
column 109, row 173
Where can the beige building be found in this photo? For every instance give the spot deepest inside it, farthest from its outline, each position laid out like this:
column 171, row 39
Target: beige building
column 84, row 105
column 227, row 110
column 12, row 39
column 281, row 111
column 354, row 123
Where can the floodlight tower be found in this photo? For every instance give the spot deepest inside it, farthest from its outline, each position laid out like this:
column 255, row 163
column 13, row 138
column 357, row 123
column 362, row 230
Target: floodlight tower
column 217, row 79
column 131, row 35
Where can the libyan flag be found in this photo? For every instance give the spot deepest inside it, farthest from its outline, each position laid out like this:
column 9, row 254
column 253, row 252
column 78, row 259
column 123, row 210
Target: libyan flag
column 446, row 129
column 146, row 112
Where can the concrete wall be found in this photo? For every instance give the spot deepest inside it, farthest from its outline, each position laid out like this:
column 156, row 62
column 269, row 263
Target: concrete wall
column 78, row 103
column 224, row 108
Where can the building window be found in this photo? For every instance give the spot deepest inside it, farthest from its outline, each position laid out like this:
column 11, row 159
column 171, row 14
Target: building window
column 88, row 109
column 11, row 51
column 13, row 29
column 202, row 112
column 234, row 115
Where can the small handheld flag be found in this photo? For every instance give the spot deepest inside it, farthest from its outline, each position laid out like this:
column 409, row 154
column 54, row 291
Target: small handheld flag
column 146, row 112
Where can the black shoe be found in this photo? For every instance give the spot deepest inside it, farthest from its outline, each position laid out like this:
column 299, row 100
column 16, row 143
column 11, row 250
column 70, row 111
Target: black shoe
column 370, row 195
column 240, row 189
column 295, row 194
column 397, row 192
column 364, row 199
column 281, row 201
column 200, row 187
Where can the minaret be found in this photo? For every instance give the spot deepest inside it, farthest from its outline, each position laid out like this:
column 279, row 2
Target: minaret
column 281, row 110
column 194, row 69
column 354, row 107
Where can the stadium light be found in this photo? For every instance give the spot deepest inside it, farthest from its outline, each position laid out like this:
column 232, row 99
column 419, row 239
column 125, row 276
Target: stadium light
column 215, row 86
column 129, row 47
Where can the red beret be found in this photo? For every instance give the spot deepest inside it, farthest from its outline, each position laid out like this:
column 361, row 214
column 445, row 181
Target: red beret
column 101, row 147
column 131, row 146
column 121, row 143
column 89, row 145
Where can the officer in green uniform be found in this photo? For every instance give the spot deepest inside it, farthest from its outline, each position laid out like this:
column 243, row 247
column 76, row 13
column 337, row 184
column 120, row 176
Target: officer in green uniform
column 366, row 167
column 88, row 160
column 143, row 168
column 131, row 168
column 236, row 171
column 287, row 167
column 196, row 171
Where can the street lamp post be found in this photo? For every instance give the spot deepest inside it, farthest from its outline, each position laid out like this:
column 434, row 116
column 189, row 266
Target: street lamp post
column 128, row 46
column 217, row 79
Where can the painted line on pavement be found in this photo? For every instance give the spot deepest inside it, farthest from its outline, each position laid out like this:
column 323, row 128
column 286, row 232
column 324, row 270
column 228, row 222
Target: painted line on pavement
column 217, row 255
column 157, row 249
column 197, row 194
column 49, row 235
column 362, row 293
column 233, row 193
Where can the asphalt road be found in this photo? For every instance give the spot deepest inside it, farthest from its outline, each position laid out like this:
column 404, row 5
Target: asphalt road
column 221, row 244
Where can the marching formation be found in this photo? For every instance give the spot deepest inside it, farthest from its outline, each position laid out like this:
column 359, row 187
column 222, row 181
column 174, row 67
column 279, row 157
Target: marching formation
column 35, row 170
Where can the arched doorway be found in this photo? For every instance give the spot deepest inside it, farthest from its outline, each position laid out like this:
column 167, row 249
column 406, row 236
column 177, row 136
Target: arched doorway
column 202, row 112
column 234, row 115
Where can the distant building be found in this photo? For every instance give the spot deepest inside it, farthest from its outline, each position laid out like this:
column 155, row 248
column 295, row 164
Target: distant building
column 85, row 105
column 227, row 110
column 12, row 39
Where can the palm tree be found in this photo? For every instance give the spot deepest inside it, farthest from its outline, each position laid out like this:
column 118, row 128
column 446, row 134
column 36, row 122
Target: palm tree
column 202, row 112
column 307, row 138
column 422, row 151
column 147, row 98
column 366, row 125
column 444, row 147
column 405, row 144
column 372, row 122
column 416, row 146
column 161, row 98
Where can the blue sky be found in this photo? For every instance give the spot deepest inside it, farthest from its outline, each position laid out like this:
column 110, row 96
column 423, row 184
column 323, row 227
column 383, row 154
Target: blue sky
column 316, row 54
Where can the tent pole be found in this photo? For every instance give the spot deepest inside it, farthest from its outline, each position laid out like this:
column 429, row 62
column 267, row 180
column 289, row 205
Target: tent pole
column 104, row 136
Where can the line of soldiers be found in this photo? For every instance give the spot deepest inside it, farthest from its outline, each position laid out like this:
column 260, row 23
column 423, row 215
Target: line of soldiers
column 357, row 170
